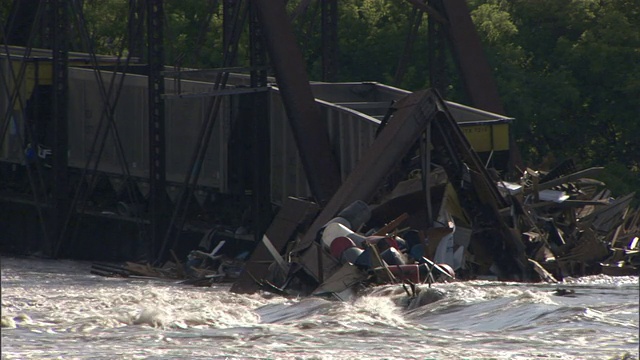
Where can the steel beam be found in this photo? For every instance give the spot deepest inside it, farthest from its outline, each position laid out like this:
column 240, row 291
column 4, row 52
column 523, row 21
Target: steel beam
column 409, row 121
column 436, row 48
column 261, row 142
column 157, row 158
column 60, row 68
column 472, row 62
column 309, row 129
column 474, row 68
column 329, row 18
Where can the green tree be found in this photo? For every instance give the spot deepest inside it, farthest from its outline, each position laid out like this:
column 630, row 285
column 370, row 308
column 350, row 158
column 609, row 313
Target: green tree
column 568, row 71
column 106, row 24
column 372, row 36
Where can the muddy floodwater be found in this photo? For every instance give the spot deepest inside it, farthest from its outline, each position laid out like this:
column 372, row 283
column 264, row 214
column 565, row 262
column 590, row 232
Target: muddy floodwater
column 58, row 310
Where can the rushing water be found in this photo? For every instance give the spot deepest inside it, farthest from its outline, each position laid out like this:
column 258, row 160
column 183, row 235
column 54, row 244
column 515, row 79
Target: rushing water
column 57, row 309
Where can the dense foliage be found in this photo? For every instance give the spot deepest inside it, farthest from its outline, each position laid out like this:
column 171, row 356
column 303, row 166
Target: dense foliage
column 568, row 71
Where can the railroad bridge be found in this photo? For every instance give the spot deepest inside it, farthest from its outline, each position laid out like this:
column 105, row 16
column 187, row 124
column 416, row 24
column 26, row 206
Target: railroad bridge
column 99, row 159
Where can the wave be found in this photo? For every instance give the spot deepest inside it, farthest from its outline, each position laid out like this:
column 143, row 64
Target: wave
column 476, row 319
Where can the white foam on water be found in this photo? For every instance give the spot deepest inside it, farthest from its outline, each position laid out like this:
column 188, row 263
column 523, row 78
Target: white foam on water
column 61, row 311
column 604, row 280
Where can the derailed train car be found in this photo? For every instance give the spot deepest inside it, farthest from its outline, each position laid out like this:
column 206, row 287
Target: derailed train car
column 353, row 112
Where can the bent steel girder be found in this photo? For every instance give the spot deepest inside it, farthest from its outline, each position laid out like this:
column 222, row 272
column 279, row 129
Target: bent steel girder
column 454, row 17
column 473, row 66
column 479, row 196
column 472, row 63
column 416, row 113
column 409, row 121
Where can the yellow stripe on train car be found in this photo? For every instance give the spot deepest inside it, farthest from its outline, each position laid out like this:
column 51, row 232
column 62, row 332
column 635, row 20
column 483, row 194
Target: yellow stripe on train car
column 485, row 138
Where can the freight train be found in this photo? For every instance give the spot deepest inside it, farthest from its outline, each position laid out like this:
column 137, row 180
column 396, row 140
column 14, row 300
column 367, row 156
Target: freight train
column 353, row 112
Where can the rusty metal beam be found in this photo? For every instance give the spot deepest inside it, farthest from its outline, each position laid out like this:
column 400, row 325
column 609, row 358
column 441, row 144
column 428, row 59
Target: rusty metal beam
column 471, row 60
column 401, row 133
column 479, row 195
column 474, row 68
column 309, row 129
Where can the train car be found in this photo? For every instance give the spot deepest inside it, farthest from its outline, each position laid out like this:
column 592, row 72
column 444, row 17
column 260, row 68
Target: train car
column 118, row 153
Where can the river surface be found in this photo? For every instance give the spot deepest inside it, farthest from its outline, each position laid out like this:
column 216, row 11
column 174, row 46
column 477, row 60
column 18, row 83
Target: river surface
column 58, row 310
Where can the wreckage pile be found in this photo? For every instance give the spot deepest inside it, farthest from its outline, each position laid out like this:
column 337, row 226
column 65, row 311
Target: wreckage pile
column 200, row 268
column 571, row 224
column 446, row 209
column 420, row 207
column 567, row 223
